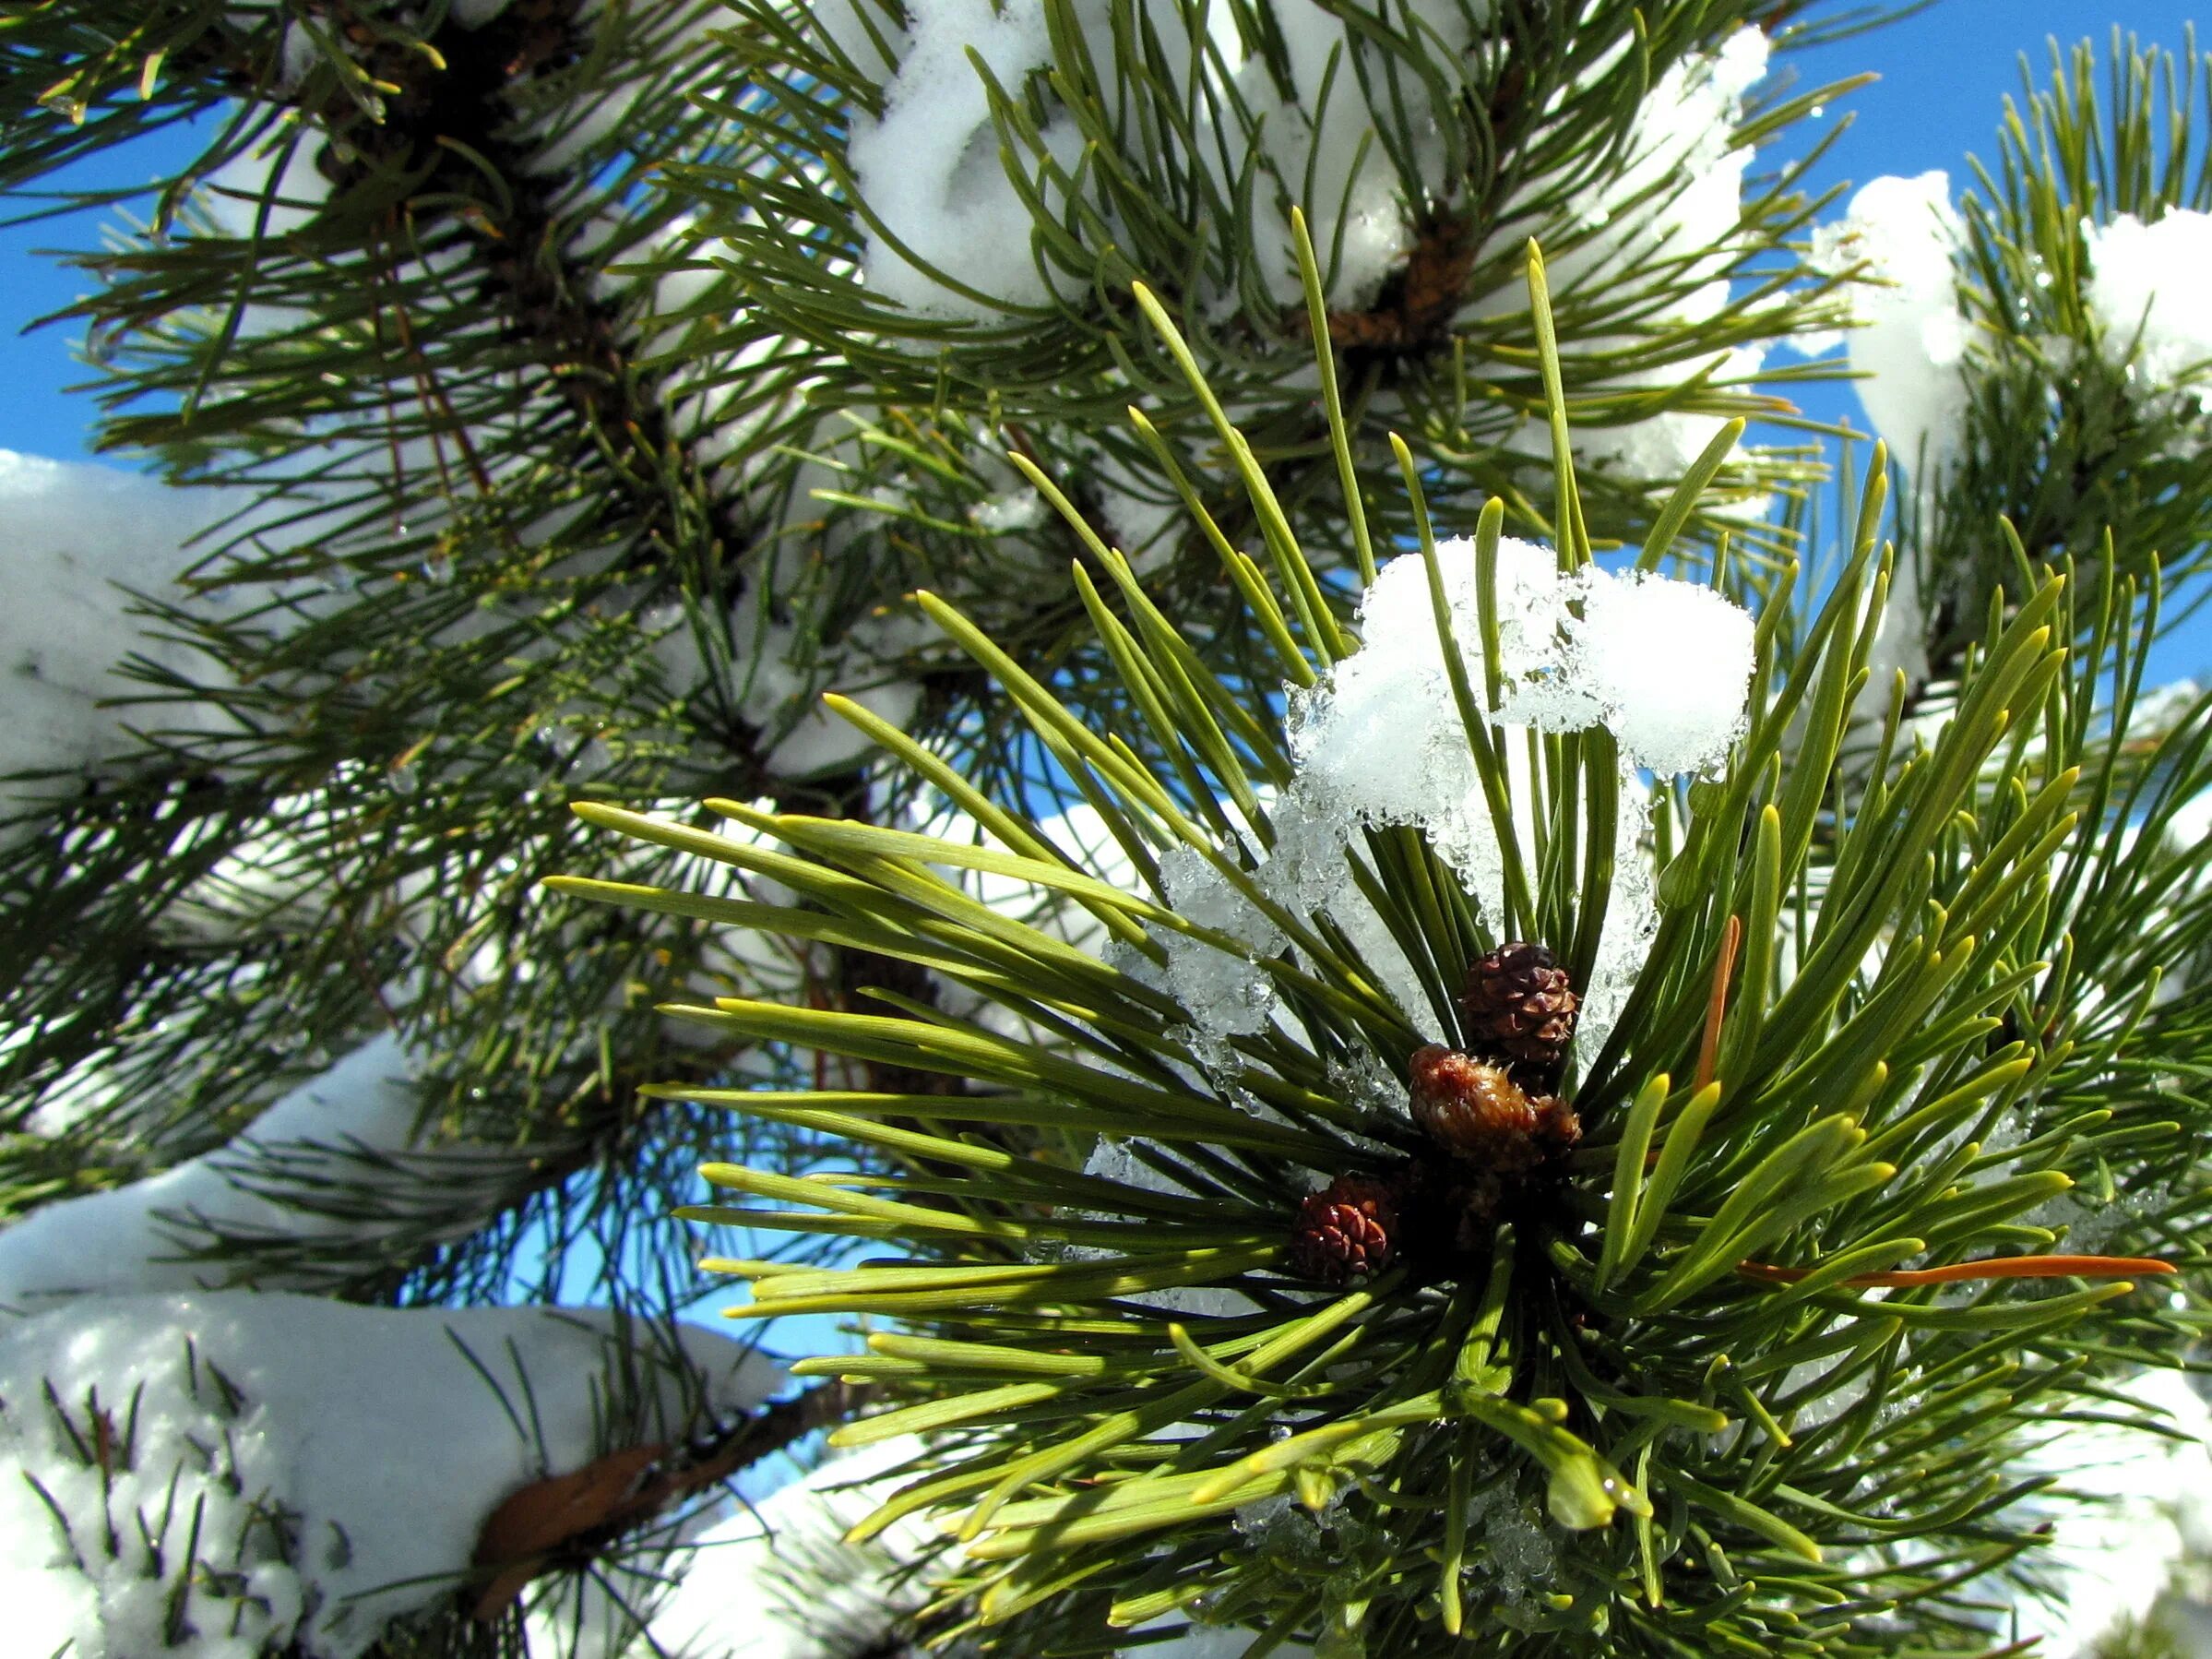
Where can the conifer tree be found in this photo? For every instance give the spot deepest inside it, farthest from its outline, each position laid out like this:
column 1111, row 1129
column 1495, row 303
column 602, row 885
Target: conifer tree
column 1422, row 1001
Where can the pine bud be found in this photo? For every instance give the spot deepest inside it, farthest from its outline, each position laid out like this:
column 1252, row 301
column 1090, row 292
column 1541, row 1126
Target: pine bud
column 1344, row 1230
column 1518, row 1002
column 1473, row 1107
column 1556, row 1123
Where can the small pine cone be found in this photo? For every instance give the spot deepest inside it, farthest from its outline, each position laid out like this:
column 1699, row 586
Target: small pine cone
column 1473, row 1107
column 1519, row 1001
column 1348, row 1229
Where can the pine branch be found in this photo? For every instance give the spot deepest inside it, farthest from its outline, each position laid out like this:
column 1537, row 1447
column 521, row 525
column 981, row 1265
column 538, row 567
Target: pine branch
column 1532, row 118
column 1460, row 1336
column 2070, row 437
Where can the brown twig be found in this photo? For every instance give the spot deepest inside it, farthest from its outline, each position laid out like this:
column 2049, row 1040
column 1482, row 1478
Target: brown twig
column 567, row 1518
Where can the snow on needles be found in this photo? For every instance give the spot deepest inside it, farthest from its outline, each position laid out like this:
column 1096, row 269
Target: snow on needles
column 133, row 1238
column 1664, row 666
column 1302, row 122
column 279, row 1440
column 2146, row 288
column 75, row 534
column 775, row 1580
column 1900, row 235
column 2128, row 1511
column 930, row 168
column 1680, row 197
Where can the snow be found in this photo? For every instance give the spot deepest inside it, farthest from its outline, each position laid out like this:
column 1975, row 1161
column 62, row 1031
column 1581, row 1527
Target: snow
column 1013, row 510
column 1669, row 209
column 1113, row 1160
column 76, row 534
column 930, row 167
column 1077, row 831
column 785, row 671
column 2109, row 1558
column 1662, row 447
column 2191, row 825
column 1900, row 645
column 1208, row 1641
column 233, row 194
column 1669, row 664
column 1516, row 1555
column 1664, row 666
column 777, row 1580
column 1355, row 207
column 846, row 26
column 115, row 1242
column 1145, row 517
column 1684, row 129
column 1681, row 189
column 285, row 1438
column 2145, row 287
column 1900, row 236
column 1225, row 995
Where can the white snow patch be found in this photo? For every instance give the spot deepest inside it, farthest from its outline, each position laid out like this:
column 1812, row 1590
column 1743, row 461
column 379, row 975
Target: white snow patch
column 291, row 1433
column 1225, row 995
column 273, row 189
column 1144, row 516
column 2191, row 825
column 77, row 534
column 930, row 167
column 1665, row 666
column 2146, row 288
column 128, row 1239
column 777, row 1580
column 1208, row 1641
column 784, row 670
column 1355, row 207
column 1671, row 209
column 1669, row 664
column 1685, row 131
column 1902, row 235
column 1014, row 510
column 2109, row 1559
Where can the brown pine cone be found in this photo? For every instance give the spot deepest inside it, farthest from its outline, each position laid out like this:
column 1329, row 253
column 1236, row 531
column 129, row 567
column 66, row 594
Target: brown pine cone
column 1473, row 1107
column 1519, row 1001
column 1347, row 1230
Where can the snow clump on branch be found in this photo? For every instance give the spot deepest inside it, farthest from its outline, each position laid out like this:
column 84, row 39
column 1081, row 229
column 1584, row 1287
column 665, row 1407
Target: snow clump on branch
column 218, row 1475
column 2146, row 289
column 1664, row 666
column 1678, row 200
column 347, row 1140
column 77, row 534
column 930, row 169
column 1900, row 237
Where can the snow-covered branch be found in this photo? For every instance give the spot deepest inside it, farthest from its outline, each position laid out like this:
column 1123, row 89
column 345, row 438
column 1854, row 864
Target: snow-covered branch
column 220, row 1474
